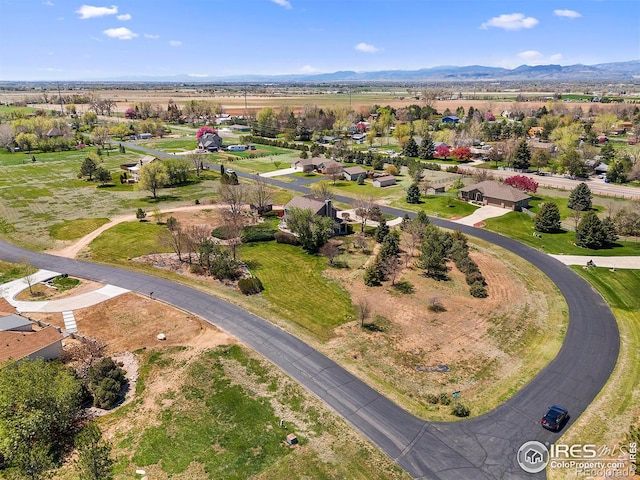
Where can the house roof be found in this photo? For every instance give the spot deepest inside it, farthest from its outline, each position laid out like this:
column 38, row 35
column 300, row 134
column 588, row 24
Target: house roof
column 354, row 170
column 54, row 132
column 385, row 179
column 12, row 322
column 315, row 161
column 6, row 308
column 327, row 163
column 497, row 190
column 306, row 202
column 18, row 345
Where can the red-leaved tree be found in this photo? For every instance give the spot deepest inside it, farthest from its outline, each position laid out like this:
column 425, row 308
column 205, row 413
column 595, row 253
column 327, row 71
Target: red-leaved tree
column 442, row 151
column 489, row 117
column 462, row 154
column 206, row 129
column 130, row 113
column 523, row 183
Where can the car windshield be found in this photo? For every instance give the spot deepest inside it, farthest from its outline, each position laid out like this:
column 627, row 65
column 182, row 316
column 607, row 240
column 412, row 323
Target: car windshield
column 553, row 414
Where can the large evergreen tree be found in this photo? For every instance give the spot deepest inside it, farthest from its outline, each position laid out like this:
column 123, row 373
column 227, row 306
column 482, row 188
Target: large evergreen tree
column 382, row 231
column 590, row 232
column 427, row 148
column 580, row 198
column 522, row 156
column 548, row 220
column 413, row 193
column 410, row 148
column 94, row 461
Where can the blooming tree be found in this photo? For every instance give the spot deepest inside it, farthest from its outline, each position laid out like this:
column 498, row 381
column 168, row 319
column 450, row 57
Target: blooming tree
column 462, row 154
column 205, row 129
column 442, row 151
column 130, row 113
column 522, row 182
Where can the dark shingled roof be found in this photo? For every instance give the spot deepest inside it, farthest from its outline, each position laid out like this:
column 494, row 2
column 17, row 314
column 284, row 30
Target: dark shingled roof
column 497, row 190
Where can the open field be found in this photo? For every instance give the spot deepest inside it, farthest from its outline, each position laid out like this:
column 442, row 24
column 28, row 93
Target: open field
column 609, row 417
column 204, row 407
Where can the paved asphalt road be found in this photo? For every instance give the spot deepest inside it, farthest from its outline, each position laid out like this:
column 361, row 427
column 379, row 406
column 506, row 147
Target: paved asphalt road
column 480, row 448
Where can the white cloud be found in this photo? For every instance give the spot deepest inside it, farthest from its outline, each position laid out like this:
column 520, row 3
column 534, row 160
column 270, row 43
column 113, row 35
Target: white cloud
column 556, row 57
column 175, row 43
column 308, row 69
column 124, row 17
column 366, row 47
column 87, row 11
column 48, row 3
column 151, row 36
column 198, row 75
column 530, row 55
column 511, row 21
column 567, row 13
column 120, row 33
column 283, row 3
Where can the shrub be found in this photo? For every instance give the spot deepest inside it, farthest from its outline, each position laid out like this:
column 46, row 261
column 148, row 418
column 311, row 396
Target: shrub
column 256, row 234
column 285, row 237
column 460, row 410
column 250, row 286
column 452, row 169
column 105, row 382
column 196, row 269
column 431, row 398
column 445, row 398
column 478, row 290
column 221, row 233
column 404, row 287
column 475, row 277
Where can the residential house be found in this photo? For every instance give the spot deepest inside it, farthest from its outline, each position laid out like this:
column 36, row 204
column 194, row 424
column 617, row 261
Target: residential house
column 222, row 119
column 385, row 181
column 54, row 132
column 329, row 166
column 306, row 164
column 494, row 193
column 450, row 119
column 535, row 131
column 318, row 206
column 211, row 142
column 21, row 338
column 134, row 168
column 353, row 173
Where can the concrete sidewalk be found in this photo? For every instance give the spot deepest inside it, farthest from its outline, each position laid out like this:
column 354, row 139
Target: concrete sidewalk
column 11, row 289
column 608, row 262
column 282, row 171
column 481, row 214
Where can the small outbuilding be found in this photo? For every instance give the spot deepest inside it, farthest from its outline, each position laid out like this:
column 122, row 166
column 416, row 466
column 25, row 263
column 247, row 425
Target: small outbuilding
column 353, row 173
column 385, row 181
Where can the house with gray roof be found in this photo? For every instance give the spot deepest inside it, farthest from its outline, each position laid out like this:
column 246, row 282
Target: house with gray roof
column 497, row 194
column 353, row 173
column 318, row 206
column 385, row 181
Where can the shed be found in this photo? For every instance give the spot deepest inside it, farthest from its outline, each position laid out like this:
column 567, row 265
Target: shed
column 292, row 439
column 385, row 181
column 353, row 173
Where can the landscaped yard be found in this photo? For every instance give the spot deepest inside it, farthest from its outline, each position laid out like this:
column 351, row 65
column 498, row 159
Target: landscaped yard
column 616, row 408
column 444, row 205
column 519, row 226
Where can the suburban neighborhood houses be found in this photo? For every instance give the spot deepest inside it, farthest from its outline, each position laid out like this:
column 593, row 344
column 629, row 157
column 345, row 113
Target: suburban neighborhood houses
column 264, row 240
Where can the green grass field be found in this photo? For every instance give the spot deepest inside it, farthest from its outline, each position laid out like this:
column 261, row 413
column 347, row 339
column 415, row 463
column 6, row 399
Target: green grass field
column 443, row 206
column 519, row 226
column 616, row 408
column 215, row 424
column 75, row 229
column 294, row 285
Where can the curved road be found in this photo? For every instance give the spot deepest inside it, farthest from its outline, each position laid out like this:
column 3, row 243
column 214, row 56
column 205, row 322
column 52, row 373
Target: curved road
column 480, row 448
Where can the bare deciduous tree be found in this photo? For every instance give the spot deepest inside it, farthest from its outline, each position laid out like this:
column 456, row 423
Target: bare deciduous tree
column 175, row 239
column 331, row 250
column 365, row 210
column 197, row 160
column 235, row 196
column 260, row 195
column 28, row 273
column 364, row 310
column 322, row 190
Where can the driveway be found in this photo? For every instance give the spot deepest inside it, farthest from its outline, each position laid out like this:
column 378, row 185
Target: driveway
column 282, row 171
column 481, row 214
column 609, row 262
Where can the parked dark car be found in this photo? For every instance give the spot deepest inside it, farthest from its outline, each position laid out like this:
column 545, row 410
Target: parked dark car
column 555, row 418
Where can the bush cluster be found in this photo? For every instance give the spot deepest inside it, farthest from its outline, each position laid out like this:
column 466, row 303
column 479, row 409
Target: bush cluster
column 285, row 237
column 460, row 410
column 105, row 382
column 257, row 233
column 459, row 253
column 250, row 286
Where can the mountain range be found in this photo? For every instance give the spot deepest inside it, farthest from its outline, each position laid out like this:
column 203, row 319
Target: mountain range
column 616, row 71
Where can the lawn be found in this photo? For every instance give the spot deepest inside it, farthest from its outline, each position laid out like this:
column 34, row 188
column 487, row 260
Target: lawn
column 608, row 418
column 443, row 206
column 126, row 240
column 352, row 189
column 36, row 197
column 173, row 144
column 75, row 229
column 220, row 419
column 519, row 226
column 296, row 288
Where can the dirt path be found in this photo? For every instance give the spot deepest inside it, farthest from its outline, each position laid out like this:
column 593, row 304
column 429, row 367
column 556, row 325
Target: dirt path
column 71, row 251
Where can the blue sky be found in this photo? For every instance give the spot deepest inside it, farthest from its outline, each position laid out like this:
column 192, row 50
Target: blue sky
column 72, row 40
